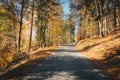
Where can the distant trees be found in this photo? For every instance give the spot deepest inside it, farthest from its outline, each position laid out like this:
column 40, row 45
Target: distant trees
column 98, row 17
column 50, row 29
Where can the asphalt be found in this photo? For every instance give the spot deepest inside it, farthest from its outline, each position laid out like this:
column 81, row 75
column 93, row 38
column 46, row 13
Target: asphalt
column 66, row 63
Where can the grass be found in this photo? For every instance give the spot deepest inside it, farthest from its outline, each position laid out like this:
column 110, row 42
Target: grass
column 104, row 53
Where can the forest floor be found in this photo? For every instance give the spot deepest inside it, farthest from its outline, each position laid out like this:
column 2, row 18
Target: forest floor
column 104, row 53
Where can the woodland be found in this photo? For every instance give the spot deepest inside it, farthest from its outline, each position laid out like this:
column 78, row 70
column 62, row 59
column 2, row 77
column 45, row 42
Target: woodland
column 28, row 25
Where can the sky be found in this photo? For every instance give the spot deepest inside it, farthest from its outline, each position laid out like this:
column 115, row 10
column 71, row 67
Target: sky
column 66, row 8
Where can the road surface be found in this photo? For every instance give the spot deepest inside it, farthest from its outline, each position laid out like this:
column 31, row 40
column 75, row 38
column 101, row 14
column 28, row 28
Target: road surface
column 66, row 63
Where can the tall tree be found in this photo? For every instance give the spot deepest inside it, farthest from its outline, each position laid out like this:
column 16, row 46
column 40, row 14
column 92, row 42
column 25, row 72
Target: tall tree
column 98, row 10
column 114, row 12
column 30, row 40
column 20, row 28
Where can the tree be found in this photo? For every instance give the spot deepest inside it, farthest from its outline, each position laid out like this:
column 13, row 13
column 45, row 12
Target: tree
column 114, row 12
column 30, row 40
column 41, row 24
column 20, row 28
column 96, row 20
column 98, row 9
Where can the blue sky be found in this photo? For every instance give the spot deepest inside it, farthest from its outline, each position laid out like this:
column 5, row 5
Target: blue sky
column 66, row 8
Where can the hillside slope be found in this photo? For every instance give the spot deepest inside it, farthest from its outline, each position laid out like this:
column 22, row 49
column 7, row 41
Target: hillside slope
column 104, row 53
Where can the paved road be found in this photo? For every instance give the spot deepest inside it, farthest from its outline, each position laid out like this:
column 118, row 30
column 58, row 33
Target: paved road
column 66, row 63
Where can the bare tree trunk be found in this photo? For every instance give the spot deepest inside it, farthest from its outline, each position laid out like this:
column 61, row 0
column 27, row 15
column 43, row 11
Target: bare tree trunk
column 106, row 16
column 100, row 29
column 20, row 28
column 118, row 5
column 114, row 8
column 30, row 40
column 97, row 4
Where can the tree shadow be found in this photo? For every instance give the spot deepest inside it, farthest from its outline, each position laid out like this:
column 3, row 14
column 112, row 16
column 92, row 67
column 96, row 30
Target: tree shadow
column 110, row 65
column 39, row 55
column 114, row 58
column 53, row 67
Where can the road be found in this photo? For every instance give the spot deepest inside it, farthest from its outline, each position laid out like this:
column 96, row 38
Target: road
column 66, row 63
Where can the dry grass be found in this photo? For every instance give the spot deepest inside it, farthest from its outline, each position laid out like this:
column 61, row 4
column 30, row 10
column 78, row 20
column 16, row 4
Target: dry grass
column 5, row 58
column 26, row 64
column 104, row 53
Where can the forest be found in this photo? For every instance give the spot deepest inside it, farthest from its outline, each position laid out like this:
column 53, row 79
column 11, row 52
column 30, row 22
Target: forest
column 29, row 25
column 101, row 17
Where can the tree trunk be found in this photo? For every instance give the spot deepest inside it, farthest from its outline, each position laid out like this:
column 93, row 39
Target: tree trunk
column 118, row 5
column 97, row 4
column 30, row 40
column 114, row 9
column 20, row 28
column 100, row 30
column 106, row 16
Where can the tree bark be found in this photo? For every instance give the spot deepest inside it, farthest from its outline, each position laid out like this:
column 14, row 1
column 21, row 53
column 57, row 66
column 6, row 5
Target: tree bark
column 118, row 5
column 106, row 16
column 30, row 40
column 114, row 9
column 20, row 28
column 97, row 4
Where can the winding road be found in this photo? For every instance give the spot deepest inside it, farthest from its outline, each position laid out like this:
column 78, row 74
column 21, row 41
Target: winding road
column 66, row 63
